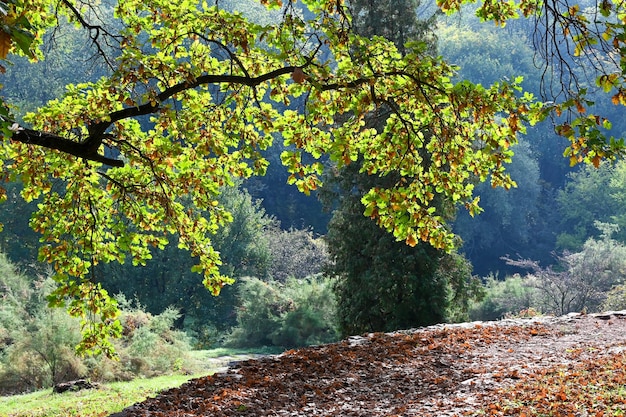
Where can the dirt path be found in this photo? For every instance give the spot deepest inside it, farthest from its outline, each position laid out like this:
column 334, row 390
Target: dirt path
column 443, row 370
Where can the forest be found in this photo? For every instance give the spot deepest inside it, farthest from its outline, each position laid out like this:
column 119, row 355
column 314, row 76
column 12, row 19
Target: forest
column 183, row 175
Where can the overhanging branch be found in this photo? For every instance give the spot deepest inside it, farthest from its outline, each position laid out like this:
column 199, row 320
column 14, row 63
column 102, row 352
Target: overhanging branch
column 88, row 148
column 51, row 141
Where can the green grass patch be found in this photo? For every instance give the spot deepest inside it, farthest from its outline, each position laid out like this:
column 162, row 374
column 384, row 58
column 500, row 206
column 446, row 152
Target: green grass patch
column 113, row 397
column 223, row 351
column 109, row 398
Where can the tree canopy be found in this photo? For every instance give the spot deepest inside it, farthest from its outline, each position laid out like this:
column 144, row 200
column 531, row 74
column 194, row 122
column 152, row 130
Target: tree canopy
column 194, row 94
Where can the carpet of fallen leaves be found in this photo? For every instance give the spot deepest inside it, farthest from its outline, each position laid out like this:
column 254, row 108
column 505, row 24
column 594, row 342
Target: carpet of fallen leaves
column 565, row 366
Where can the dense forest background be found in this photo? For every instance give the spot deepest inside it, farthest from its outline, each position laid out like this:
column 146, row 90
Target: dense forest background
column 561, row 229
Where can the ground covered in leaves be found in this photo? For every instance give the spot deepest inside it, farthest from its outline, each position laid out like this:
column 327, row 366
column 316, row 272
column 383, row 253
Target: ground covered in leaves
column 567, row 366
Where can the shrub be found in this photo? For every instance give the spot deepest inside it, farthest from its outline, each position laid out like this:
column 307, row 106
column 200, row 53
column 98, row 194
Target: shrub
column 615, row 300
column 464, row 288
column 502, row 297
column 296, row 313
column 150, row 346
column 580, row 281
column 37, row 343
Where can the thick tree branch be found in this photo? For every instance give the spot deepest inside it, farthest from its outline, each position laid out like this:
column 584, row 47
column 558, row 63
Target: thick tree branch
column 51, row 141
column 88, row 149
column 149, row 108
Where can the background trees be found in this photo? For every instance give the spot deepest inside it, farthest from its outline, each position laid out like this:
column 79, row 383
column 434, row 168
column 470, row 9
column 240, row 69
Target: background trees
column 192, row 97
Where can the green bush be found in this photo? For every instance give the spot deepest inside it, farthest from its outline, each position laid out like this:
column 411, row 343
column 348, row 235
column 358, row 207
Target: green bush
column 502, row 297
column 37, row 344
column 150, row 345
column 615, row 299
column 296, row 313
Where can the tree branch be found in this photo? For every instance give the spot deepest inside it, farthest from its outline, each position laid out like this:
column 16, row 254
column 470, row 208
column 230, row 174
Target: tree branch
column 88, row 149
column 52, row 141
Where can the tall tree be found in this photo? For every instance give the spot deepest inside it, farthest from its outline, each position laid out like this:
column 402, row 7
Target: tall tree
column 382, row 284
column 191, row 98
column 396, row 21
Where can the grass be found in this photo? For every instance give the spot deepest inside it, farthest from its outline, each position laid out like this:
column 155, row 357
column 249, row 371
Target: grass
column 110, row 397
column 220, row 352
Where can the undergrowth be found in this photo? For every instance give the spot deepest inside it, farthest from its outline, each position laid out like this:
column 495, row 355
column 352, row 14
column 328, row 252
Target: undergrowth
column 115, row 396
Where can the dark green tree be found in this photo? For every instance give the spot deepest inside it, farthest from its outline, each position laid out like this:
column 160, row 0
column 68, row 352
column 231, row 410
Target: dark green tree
column 382, row 284
column 18, row 241
column 395, row 20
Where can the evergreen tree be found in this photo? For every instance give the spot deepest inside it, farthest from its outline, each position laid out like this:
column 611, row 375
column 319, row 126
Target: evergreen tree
column 395, row 20
column 383, row 284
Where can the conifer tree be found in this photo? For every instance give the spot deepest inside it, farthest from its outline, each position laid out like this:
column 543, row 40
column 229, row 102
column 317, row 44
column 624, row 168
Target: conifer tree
column 382, row 284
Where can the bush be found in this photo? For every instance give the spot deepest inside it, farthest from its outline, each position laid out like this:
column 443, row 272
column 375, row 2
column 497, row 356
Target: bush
column 150, row 345
column 502, row 297
column 615, row 299
column 37, row 344
column 31, row 365
column 580, row 281
column 297, row 313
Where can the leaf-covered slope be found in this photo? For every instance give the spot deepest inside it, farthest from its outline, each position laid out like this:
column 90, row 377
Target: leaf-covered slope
column 511, row 367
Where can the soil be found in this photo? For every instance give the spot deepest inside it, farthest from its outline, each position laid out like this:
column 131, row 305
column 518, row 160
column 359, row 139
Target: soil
column 442, row 370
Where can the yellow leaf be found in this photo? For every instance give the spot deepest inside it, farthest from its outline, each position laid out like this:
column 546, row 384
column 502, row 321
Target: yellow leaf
column 616, row 98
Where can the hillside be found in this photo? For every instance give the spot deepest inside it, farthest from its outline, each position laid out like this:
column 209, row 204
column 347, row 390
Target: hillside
column 570, row 365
